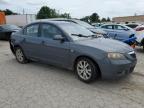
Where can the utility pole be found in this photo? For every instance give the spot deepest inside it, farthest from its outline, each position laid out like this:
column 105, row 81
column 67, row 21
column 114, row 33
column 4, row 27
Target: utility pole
column 23, row 11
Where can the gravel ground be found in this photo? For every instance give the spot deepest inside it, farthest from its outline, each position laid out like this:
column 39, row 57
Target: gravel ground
column 36, row 85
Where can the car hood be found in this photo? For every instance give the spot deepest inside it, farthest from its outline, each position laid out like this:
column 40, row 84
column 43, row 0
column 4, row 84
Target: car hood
column 107, row 45
column 11, row 30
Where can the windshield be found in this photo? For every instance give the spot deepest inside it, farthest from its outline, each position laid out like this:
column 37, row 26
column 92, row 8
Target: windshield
column 72, row 29
column 10, row 27
column 84, row 24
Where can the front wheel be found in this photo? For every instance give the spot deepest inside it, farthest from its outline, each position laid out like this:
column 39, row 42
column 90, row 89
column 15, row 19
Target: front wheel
column 20, row 57
column 86, row 70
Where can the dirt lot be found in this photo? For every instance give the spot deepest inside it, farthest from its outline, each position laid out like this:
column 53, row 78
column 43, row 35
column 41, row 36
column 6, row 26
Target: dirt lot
column 36, row 85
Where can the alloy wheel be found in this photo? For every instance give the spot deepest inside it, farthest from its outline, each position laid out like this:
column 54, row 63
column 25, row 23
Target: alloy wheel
column 84, row 70
column 19, row 55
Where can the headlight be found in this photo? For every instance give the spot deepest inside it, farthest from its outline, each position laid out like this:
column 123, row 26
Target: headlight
column 116, row 56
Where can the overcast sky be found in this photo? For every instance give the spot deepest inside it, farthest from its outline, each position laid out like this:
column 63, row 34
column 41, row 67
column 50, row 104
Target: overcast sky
column 78, row 8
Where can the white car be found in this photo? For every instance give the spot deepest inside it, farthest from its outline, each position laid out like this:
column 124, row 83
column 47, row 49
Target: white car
column 140, row 35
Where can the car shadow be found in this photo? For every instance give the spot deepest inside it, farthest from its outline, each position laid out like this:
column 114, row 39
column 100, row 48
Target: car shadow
column 69, row 78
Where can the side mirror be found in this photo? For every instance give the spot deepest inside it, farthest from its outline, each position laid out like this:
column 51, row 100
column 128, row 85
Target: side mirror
column 58, row 37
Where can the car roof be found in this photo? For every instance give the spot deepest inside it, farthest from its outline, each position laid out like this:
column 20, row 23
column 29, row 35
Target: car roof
column 61, row 19
column 51, row 21
column 132, row 24
column 113, row 24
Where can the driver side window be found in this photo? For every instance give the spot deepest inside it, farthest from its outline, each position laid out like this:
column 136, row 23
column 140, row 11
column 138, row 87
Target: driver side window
column 32, row 30
column 49, row 31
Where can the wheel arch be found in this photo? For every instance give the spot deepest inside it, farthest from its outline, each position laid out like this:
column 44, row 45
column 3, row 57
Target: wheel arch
column 13, row 48
column 85, row 56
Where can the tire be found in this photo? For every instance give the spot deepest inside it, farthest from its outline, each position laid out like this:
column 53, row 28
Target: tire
column 20, row 57
column 86, row 70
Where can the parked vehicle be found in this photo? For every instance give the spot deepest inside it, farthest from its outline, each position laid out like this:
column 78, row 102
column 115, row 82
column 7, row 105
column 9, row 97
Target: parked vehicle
column 97, row 25
column 98, row 32
column 120, row 32
column 140, row 35
column 7, row 30
column 132, row 25
column 73, row 47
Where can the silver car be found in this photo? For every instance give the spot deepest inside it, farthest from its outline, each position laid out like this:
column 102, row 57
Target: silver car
column 74, row 47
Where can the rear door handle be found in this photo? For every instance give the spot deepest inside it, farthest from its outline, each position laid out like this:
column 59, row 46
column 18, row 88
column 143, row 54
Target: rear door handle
column 44, row 43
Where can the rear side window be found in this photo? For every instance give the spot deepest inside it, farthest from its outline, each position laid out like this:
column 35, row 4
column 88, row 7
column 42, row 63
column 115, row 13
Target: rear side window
column 118, row 27
column 132, row 25
column 49, row 31
column 32, row 30
column 108, row 27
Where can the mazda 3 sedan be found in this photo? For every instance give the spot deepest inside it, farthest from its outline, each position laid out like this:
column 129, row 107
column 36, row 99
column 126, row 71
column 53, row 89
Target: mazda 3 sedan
column 74, row 47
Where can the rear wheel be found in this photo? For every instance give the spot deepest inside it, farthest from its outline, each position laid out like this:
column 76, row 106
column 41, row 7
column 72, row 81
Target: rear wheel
column 20, row 57
column 86, row 70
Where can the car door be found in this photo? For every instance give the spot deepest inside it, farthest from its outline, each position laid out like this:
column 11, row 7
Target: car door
column 54, row 51
column 122, row 34
column 110, row 30
column 31, row 42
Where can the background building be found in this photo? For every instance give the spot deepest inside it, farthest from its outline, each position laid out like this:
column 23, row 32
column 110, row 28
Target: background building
column 20, row 20
column 129, row 19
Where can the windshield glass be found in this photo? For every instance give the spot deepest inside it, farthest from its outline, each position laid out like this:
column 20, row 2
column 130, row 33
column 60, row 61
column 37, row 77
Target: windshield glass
column 10, row 27
column 72, row 28
column 84, row 24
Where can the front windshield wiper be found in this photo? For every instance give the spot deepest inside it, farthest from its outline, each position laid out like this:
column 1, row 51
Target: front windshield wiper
column 80, row 35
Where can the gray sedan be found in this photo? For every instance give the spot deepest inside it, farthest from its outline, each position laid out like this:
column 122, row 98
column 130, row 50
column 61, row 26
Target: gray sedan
column 72, row 46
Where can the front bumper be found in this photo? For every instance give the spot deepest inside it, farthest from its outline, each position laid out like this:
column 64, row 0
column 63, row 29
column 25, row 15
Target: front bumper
column 115, row 69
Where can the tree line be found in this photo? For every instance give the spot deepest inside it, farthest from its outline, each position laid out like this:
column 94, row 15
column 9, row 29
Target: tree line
column 47, row 12
column 95, row 18
column 8, row 12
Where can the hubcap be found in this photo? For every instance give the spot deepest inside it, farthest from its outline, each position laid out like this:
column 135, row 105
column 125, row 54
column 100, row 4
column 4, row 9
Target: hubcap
column 84, row 70
column 19, row 55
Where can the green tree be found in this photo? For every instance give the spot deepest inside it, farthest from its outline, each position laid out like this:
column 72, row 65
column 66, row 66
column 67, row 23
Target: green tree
column 108, row 19
column 94, row 18
column 46, row 12
column 65, row 15
column 8, row 12
column 103, row 20
column 86, row 19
